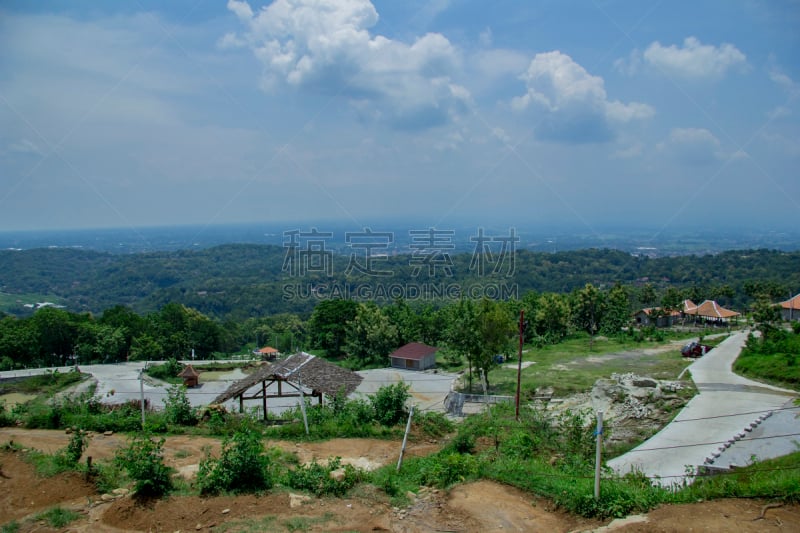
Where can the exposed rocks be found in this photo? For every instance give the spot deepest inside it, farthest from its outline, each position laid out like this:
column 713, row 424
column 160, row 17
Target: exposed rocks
column 633, row 405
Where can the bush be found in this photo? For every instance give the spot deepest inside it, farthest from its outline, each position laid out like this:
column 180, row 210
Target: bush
column 77, row 444
column 445, row 469
column 143, row 459
column 317, row 478
column 389, row 403
column 177, row 408
column 242, row 466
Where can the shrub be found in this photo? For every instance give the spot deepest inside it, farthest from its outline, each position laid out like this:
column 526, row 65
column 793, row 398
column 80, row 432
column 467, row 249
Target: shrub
column 445, row 469
column 242, row 466
column 143, row 459
column 389, row 403
column 177, row 407
column 317, row 478
column 78, row 442
column 57, row 517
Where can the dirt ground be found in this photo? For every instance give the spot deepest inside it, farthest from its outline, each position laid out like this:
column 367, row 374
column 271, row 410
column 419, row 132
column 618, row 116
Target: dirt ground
column 480, row 506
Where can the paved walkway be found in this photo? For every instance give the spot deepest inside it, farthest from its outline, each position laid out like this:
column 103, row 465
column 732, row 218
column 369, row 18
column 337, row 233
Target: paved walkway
column 715, row 426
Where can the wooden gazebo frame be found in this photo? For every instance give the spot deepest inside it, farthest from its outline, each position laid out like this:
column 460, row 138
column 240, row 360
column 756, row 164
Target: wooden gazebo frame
column 298, row 371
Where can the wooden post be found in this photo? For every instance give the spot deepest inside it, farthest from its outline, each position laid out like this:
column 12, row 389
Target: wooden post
column 141, row 392
column 519, row 364
column 405, row 438
column 264, row 398
column 597, row 458
column 241, row 403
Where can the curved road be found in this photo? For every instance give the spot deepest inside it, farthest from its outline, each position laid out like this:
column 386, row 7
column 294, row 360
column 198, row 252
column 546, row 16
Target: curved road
column 714, row 428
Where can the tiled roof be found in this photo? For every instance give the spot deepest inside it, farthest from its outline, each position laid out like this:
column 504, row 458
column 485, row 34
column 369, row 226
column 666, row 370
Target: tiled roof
column 414, row 350
column 267, row 350
column 711, row 309
column 792, row 303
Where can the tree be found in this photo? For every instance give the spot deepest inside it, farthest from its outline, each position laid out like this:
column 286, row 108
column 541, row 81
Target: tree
column 495, row 328
column 370, row 335
column 328, row 325
column 647, row 294
column 767, row 317
column 552, row 318
column 617, row 313
column 462, row 332
column 589, row 308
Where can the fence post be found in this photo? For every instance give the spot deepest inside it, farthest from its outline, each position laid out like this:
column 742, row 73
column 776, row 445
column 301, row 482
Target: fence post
column 405, row 438
column 141, row 393
column 597, row 459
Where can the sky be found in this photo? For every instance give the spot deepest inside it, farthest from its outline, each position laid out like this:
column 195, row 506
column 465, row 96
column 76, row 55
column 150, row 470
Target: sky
column 587, row 114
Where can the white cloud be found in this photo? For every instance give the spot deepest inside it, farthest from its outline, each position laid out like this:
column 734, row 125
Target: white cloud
column 694, row 146
column 326, row 46
column 791, row 87
column 573, row 103
column 695, row 60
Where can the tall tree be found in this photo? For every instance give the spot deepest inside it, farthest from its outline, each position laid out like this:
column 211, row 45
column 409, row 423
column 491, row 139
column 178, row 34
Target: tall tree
column 327, row 326
column 371, row 337
column 618, row 310
column 589, row 308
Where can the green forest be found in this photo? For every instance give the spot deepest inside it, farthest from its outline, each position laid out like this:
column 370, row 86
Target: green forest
column 232, row 298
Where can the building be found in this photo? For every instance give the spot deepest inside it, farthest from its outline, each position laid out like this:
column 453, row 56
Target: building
column 267, row 353
column 191, row 378
column 656, row 316
column 414, row 356
column 298, row 375
column 790, row 309
column 709, row 311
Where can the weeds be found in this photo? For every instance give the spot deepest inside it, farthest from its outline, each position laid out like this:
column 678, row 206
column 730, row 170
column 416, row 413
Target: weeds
column 143, row 459
column 242, row 466
column 57, row 517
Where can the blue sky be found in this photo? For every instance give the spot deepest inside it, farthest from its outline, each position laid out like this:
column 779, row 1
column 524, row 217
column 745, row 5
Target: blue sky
column 583, row 114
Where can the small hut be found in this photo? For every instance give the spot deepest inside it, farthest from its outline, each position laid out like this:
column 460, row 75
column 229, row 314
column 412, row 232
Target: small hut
column 414, row 356
column 191, row 378
column 300, row 371
column 268, row 353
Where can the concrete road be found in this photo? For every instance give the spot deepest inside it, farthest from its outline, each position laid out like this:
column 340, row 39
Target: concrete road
column 119, row 383
column 428, row 389
column 715, row 426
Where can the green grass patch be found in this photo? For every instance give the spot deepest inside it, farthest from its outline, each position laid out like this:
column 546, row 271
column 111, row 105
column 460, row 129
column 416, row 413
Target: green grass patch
column 57, row 517
column 773, row 479
column 247, row 525
column 774, row 359
column 570, row 367
column 45, row 384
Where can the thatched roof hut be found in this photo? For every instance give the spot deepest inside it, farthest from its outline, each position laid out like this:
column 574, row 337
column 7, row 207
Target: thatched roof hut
column 191, row 377
column 299, row 371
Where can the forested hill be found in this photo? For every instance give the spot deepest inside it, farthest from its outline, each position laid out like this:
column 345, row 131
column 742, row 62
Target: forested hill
column 238, row 281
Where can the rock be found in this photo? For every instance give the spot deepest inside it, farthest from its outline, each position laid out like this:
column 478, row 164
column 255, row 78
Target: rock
column 337, row 475
column 68, row 431
column 107, row 497
column 226, row 511
column 411, row 496
column 120, row 491
column 644, row 382
column 108, row 433
column 296, row 500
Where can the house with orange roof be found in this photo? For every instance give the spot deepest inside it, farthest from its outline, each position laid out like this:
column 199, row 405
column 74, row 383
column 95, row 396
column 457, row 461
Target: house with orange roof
column 708, row 311
column 790, row 309
column 656, row 316
column 267, row 353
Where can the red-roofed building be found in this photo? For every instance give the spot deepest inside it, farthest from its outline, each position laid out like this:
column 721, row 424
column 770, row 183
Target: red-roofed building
column 790, row 309
column 709, row 310
column 656, row 316
column 267, row 353
column 414, row 356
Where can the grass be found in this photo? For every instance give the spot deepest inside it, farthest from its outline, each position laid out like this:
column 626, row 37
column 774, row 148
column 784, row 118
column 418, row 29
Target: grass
column 247, row 525
column 773, row 479
column 14, row 302
column 57, row 517
column 570, row 367
column 44, row 384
